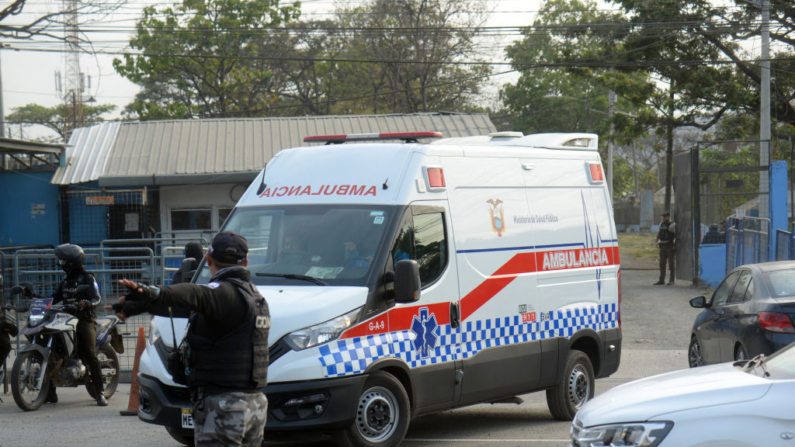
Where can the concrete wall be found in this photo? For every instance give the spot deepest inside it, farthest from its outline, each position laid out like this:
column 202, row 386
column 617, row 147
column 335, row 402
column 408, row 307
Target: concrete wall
column 214, row 197
column 30, row 209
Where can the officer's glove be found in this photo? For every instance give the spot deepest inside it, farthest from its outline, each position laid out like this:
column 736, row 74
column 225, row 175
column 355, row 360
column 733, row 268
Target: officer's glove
column 71, row 309
column 84, row 304
column 129, row 308
column 139, row 292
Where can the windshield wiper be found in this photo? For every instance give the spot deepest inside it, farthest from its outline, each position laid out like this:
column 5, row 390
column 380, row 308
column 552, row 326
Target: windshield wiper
column 758, row 361
column 311, row 279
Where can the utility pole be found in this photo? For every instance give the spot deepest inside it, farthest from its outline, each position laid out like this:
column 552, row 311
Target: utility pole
column 610, row 102
column 764, row 119
column 73, row 93
column 2, row 110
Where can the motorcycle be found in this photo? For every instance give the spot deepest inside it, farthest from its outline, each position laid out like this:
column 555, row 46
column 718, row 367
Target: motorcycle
column 51, row 356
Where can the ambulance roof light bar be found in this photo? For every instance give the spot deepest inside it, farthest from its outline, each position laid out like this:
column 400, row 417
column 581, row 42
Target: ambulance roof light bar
column 407, row 137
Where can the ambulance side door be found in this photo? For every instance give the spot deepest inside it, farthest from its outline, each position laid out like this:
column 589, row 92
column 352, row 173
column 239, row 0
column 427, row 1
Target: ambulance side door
column 429, row 346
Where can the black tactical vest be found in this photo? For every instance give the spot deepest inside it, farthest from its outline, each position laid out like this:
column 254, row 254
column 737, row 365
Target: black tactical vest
column 665, row 235
column 69, row 290
column 239, row 359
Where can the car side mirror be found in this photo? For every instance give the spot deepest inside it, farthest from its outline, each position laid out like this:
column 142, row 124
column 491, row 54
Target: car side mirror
column 699, row 302
column 407, row 281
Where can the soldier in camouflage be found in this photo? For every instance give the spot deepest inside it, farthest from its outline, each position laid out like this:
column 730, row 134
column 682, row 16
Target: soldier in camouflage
column 225, row 352
column 230, row 416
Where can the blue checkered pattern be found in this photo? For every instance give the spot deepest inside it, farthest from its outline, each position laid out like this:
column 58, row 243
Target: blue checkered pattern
column 352, row 356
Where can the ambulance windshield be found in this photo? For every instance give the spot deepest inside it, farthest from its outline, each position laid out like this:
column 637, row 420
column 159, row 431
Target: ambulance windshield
column 310, row 244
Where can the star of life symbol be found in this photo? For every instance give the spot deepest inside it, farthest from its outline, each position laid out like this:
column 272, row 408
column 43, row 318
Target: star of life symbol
column 425, row 328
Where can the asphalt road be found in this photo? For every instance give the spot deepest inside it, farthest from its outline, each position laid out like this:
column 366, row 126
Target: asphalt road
column 656, row 322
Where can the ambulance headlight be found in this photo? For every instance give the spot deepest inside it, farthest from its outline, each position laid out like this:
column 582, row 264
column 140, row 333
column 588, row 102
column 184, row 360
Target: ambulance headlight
column 154, row 332
column 323, row 332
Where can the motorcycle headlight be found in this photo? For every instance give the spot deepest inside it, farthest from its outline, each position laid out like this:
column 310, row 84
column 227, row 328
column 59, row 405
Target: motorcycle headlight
column 629, row 434
column 154, row 332
column 321, row 333
column 35, row 320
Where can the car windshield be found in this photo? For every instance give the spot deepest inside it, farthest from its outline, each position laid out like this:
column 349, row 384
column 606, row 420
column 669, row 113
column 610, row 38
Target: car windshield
column 310, row 244
column 782, row 283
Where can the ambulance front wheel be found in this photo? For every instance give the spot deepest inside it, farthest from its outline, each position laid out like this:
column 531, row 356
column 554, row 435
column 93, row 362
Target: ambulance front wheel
column 574, row 390
column 382, row 414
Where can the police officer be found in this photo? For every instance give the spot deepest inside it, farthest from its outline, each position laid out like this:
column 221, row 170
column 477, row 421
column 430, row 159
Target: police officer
column 666, row 241
column 225, row 357
column 71, row 259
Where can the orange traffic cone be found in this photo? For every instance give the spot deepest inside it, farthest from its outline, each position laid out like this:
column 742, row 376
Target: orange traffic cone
column 132, row 406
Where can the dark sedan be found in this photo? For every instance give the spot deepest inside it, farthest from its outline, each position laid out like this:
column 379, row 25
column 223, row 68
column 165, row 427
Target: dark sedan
column 750, row 313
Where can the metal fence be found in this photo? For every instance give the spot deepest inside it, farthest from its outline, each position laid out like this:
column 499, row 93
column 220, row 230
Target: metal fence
column 784, row 242
column 747, row 241
column 151, row 261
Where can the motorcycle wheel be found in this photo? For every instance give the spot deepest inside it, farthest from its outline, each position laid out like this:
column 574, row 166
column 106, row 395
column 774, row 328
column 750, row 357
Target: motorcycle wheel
column 24, row 377
column 108, row 359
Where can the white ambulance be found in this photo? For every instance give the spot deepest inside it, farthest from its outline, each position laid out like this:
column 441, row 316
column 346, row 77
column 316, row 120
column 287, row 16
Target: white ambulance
column 405, row 278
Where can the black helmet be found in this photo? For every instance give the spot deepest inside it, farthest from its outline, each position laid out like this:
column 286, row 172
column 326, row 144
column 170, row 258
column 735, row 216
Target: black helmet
column 70, row 257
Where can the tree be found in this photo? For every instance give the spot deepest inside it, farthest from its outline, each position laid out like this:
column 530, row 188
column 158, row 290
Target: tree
column 55, row 118
column 50, row 24
column 416, row 46
column 206, row 57
column 554, row 93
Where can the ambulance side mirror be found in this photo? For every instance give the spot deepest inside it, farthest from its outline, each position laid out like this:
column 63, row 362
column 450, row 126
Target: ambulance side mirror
column 407, row 281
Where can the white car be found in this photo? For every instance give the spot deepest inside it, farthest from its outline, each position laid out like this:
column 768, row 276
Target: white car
column 727, row 405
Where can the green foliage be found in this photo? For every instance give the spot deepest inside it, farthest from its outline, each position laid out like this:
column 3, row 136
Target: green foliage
column 745, row 155
column 55, row 118
column 416, row 44
column 206, row 57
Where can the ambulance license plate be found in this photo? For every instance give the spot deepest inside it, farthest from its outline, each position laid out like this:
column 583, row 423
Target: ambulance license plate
column 187, row 418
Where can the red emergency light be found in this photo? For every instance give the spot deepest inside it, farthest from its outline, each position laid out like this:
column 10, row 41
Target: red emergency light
column 435, row 177
column 408, row 137
column 596, row 172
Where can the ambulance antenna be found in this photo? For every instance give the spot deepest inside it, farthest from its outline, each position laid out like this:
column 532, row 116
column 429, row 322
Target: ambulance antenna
column 385, row 183
column 262, row 185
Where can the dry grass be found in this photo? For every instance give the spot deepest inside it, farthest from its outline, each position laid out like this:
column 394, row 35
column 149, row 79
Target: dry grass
column 638, row 246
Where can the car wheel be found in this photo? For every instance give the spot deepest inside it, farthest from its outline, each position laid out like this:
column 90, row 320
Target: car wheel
column 574, row 390
column 382, row 414
column 740, row 354
column 694, row 357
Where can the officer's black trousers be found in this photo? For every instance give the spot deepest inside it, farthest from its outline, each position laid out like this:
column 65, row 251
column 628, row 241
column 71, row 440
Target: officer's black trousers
column 5, row 347
column 667, row 256
column 86, row 336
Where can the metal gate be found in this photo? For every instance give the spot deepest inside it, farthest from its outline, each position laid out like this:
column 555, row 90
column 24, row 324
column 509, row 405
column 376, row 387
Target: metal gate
column 709, row 193
column 747, row 241
column 89, row 217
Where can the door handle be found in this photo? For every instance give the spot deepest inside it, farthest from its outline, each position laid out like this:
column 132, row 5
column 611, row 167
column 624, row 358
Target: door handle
column 455, row 314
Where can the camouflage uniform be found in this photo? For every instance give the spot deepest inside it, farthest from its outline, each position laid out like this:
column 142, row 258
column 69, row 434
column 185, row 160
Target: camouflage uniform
column 235, row 419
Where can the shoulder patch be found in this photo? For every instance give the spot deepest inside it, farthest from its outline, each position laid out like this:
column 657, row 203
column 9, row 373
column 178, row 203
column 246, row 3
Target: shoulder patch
column 213, row 285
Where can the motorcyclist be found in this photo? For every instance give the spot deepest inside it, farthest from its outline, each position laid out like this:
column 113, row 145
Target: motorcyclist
column 71, row 259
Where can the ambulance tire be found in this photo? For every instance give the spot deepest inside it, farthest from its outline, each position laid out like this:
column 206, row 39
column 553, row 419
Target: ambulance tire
column 574, row 390
column 382, row 417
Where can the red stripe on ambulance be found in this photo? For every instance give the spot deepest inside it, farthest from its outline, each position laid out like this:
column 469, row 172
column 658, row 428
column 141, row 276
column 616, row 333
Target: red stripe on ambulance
column 400, row 318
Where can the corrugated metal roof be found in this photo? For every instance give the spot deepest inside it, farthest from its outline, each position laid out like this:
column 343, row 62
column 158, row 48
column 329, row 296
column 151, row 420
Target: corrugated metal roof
column 163, row 152
column 86, row 154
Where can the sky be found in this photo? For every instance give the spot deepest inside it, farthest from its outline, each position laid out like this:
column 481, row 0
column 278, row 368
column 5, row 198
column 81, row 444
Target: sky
column 29, row 76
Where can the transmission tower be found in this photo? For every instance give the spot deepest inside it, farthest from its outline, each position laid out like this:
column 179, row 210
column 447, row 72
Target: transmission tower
column 73, row 79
